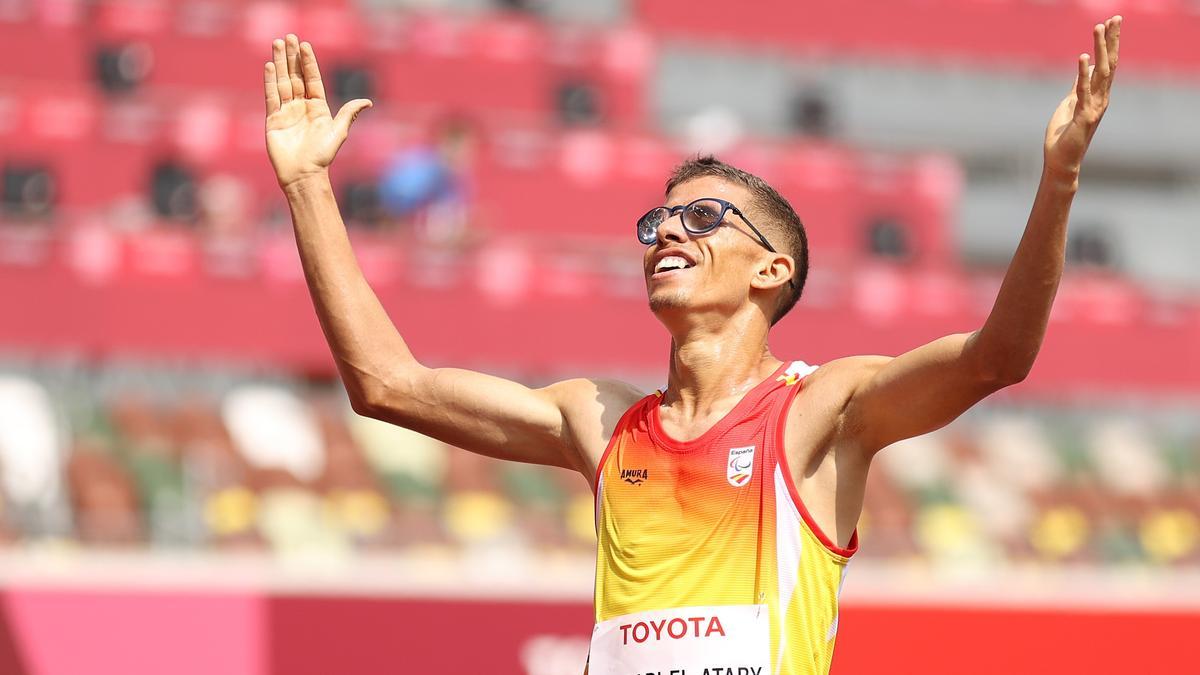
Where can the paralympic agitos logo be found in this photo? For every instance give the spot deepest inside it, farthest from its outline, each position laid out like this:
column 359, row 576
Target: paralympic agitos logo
column 740, row 466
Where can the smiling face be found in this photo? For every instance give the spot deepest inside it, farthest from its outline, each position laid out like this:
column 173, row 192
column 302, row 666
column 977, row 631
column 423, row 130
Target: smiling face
column 719, row 271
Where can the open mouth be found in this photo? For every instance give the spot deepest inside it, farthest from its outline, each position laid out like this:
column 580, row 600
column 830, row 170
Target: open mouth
column 671, row 263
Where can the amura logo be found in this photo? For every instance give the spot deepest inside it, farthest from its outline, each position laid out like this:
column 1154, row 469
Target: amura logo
column 635, row 476
column 740, row 468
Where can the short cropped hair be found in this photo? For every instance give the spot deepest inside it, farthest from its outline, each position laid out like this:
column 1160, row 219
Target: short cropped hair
column 765, row 200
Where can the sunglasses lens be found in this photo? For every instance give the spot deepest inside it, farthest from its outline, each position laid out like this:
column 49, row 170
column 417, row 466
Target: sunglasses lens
column 647, row 226
column 702, row 216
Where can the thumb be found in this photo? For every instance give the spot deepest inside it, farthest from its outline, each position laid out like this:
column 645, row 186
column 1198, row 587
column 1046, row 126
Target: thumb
column 349, row 113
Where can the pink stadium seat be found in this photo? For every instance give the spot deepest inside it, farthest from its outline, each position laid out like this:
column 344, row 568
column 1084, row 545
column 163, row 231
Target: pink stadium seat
column 498, row 64
column 39, row 50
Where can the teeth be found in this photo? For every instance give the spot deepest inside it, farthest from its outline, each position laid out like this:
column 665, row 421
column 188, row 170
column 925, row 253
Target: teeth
column 671, row 262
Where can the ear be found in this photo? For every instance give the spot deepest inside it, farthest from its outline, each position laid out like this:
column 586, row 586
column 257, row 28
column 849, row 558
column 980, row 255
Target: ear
column 775, row 271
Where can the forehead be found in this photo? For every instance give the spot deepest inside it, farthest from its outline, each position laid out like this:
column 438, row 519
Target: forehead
column 709, row 186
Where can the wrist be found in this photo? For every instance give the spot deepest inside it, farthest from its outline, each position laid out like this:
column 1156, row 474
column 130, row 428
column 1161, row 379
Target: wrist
column 306, row 184
column 1061, row 178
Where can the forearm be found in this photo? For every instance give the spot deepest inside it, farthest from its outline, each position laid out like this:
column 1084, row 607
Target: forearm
column 365, row 344
column 1009, row 341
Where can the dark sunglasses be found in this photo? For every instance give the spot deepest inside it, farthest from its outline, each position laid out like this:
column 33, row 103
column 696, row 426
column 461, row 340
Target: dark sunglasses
column 698, row 217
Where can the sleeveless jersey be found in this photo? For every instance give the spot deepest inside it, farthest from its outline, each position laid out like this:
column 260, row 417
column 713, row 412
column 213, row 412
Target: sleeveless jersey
column 717, row 521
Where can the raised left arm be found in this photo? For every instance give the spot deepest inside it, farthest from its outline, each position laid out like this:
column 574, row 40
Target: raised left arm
column 926, row 388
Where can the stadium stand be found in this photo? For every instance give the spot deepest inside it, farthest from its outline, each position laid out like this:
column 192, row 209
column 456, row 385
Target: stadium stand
column 140, row 226
column 169, row 459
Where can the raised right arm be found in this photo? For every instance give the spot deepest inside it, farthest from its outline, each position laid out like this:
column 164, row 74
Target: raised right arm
column 565, row 424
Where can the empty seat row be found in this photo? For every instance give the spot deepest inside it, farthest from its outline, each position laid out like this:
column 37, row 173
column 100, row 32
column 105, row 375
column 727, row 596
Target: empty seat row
column 493, row 62
column 968, row 32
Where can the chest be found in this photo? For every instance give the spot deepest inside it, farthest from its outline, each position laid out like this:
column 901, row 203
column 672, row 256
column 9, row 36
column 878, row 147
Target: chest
column 660, row 492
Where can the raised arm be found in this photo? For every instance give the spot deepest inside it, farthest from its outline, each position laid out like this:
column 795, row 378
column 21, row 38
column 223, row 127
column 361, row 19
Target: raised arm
column 926, row 388
column 565, row 424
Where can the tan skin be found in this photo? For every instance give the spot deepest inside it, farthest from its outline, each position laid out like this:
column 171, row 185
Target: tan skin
column 717, row 313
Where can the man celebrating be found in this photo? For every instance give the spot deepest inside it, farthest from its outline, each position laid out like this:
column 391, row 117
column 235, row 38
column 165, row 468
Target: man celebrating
column 727, row 502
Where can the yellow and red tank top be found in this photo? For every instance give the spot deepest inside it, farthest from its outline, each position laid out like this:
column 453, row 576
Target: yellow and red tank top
column 717, row 521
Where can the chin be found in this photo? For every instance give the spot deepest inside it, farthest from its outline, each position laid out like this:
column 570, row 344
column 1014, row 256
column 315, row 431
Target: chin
column 665, row 301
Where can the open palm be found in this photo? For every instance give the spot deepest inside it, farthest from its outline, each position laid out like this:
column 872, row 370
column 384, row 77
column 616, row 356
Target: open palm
column 1078, row 115
column 302, row 136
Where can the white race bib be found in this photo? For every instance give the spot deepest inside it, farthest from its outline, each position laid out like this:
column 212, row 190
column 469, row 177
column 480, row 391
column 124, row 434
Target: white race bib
column 723, row 640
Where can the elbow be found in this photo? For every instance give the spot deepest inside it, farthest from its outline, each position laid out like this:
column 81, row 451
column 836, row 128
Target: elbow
column 1015, row 375
column 361, row 404
column 363, row 400
column 367, row 395
column 374, row 400
column 1006, row 373
column 378, row 395
column 1000, row 366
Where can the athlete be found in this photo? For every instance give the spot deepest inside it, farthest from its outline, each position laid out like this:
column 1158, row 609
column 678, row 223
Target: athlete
column 727, row 502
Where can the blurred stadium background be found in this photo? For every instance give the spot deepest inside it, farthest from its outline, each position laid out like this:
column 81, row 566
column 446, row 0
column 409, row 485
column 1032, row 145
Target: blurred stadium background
column 184, row 489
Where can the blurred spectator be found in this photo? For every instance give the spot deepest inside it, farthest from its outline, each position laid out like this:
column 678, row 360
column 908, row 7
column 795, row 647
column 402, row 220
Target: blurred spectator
column 429, row 186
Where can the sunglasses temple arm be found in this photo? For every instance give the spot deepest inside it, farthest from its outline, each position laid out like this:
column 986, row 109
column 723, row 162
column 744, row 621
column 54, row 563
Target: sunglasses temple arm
column 760, row 234
column 791, row 282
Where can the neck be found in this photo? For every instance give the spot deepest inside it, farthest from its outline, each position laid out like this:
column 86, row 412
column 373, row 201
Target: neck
column 712, row 362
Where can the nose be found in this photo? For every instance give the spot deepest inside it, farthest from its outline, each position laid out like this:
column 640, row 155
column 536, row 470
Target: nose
column 672, row 230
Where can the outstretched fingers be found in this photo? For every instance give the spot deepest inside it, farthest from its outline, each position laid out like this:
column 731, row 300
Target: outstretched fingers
column 293, row 65
column 1107, row 39
column 1083, row 83
column 1113, row 39
column 312, row 74
column 271, row 86
column 1100, row 46
column 1106, row 42
column 283, row 83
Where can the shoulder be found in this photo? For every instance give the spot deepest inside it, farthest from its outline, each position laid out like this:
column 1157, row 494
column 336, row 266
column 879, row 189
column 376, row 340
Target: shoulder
column 583, row 393
column 823, row 406
column 842, row 377
column 591, row 409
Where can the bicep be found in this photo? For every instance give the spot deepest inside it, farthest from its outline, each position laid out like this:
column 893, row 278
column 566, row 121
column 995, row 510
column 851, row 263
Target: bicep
column 491, row 415
column 916, row 392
